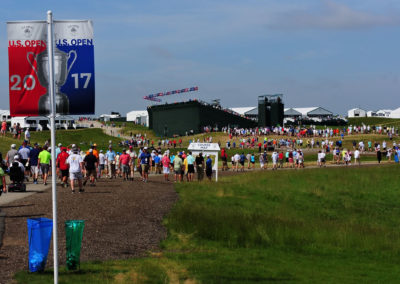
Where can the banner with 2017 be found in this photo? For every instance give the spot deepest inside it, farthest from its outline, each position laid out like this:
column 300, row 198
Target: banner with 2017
column 29, row 68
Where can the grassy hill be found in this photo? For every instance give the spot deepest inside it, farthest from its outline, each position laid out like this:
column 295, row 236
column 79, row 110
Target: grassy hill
column 374, row 121
column 335, row 225
column 82, row 137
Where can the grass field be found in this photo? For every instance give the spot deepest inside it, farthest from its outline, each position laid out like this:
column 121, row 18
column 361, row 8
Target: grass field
column 337, row 225
column 82, row 137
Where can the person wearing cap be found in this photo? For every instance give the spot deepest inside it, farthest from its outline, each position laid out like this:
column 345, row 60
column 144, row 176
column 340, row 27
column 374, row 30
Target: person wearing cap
column 34, row 162
column 124, row 164
column 110, row 158
column 178, row 162
column 27, row 135
column 102, row 161
column 184, row 168
column 11, row 154
column 145, row 161
column 117, row 167
column 70, row 149
column 199, row 162
column 24, row 154
column 75, row 163
column 58, row 149
column 153, row 162
column 157, row 162
column 90, row 161
column 166, row 163
column 63, row 167
column 190, row 162
column 18, row 163
column 132, row 162
column 95, row 151
column 44, row 163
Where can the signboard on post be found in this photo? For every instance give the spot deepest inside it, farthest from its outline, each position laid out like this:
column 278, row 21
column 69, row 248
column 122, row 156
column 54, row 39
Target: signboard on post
column 51, row 72
column 28, row 58
column 211, row 149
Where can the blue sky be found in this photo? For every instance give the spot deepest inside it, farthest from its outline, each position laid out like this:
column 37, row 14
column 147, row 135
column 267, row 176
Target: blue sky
column 334, row 54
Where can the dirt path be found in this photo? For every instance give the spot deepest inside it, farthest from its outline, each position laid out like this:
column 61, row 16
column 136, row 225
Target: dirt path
column 109, row 130
column 122, row 220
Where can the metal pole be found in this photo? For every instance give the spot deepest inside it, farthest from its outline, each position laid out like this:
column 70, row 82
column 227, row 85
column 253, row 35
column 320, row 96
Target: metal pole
column 50, row 50
column 216, row 171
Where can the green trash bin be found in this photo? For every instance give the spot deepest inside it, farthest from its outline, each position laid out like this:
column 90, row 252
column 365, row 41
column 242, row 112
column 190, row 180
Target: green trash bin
column 73, row 234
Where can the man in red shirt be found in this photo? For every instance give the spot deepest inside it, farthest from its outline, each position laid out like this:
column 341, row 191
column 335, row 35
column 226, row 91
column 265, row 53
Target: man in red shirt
column 124, row 160
column 281, row 159
column 63, row 166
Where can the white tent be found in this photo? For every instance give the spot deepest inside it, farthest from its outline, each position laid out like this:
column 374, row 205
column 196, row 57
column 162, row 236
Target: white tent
column 5, row 115
column 384, row 112
column 138, row 116
column 356, row 112
column 395, row 113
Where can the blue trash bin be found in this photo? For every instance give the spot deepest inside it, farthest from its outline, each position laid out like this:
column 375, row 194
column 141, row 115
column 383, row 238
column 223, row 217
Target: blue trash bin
column 39, row 235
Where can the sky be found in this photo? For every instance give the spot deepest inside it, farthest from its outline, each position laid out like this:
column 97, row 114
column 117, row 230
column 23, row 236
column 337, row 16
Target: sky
column 329, row 53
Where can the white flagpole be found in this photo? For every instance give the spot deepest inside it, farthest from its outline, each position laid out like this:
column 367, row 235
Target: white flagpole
column 50, row 50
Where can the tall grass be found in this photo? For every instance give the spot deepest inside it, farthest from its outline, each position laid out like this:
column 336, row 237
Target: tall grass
column 336, row 225
column 334, row 208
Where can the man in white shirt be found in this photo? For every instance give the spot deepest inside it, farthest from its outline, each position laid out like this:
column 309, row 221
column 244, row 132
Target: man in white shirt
column 236, row 159
column 357, row 157
column 102, row 161
column 75, row 162
column 274, row 160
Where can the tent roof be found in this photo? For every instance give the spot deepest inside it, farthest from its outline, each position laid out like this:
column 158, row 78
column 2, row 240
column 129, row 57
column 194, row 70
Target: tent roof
column 320, row 111
column 291, row 111
column 357, row 108
column 254, row 111
column 304, row 110
column 242, row 110
column 137, row 113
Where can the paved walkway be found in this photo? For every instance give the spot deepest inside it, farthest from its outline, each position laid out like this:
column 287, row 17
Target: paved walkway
column 109, row 130
column 30, row 189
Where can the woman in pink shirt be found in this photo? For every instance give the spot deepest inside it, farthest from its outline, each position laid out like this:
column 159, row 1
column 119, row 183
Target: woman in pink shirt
column 165, row 162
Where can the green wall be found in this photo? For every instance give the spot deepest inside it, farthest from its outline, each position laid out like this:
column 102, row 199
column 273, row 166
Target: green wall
column 176, row 119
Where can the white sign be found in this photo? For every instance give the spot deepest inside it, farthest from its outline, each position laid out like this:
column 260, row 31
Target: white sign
column 204, row 147
column 207, row 148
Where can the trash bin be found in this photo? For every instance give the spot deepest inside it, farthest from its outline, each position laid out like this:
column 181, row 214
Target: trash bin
column 73, row 235
column 39, row 235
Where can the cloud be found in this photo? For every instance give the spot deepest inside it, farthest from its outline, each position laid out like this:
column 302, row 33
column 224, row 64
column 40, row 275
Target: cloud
column 332, row 15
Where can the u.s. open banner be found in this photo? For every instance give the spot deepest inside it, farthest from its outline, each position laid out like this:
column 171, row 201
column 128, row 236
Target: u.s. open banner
column 29, row 68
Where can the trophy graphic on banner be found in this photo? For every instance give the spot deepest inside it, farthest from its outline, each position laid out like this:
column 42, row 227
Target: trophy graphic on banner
column 61, row 71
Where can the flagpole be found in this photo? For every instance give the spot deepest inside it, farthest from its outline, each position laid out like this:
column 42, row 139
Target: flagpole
column 50, row 51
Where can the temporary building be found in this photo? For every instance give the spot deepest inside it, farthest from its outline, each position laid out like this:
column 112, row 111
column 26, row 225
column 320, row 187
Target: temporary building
column 291, row 112
column 43, row 122
column 383, row 112
column 356, row 112
column 395, row 113
column 138, row 116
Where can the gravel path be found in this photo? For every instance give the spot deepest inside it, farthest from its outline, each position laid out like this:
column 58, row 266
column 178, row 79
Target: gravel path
column 122, row 220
